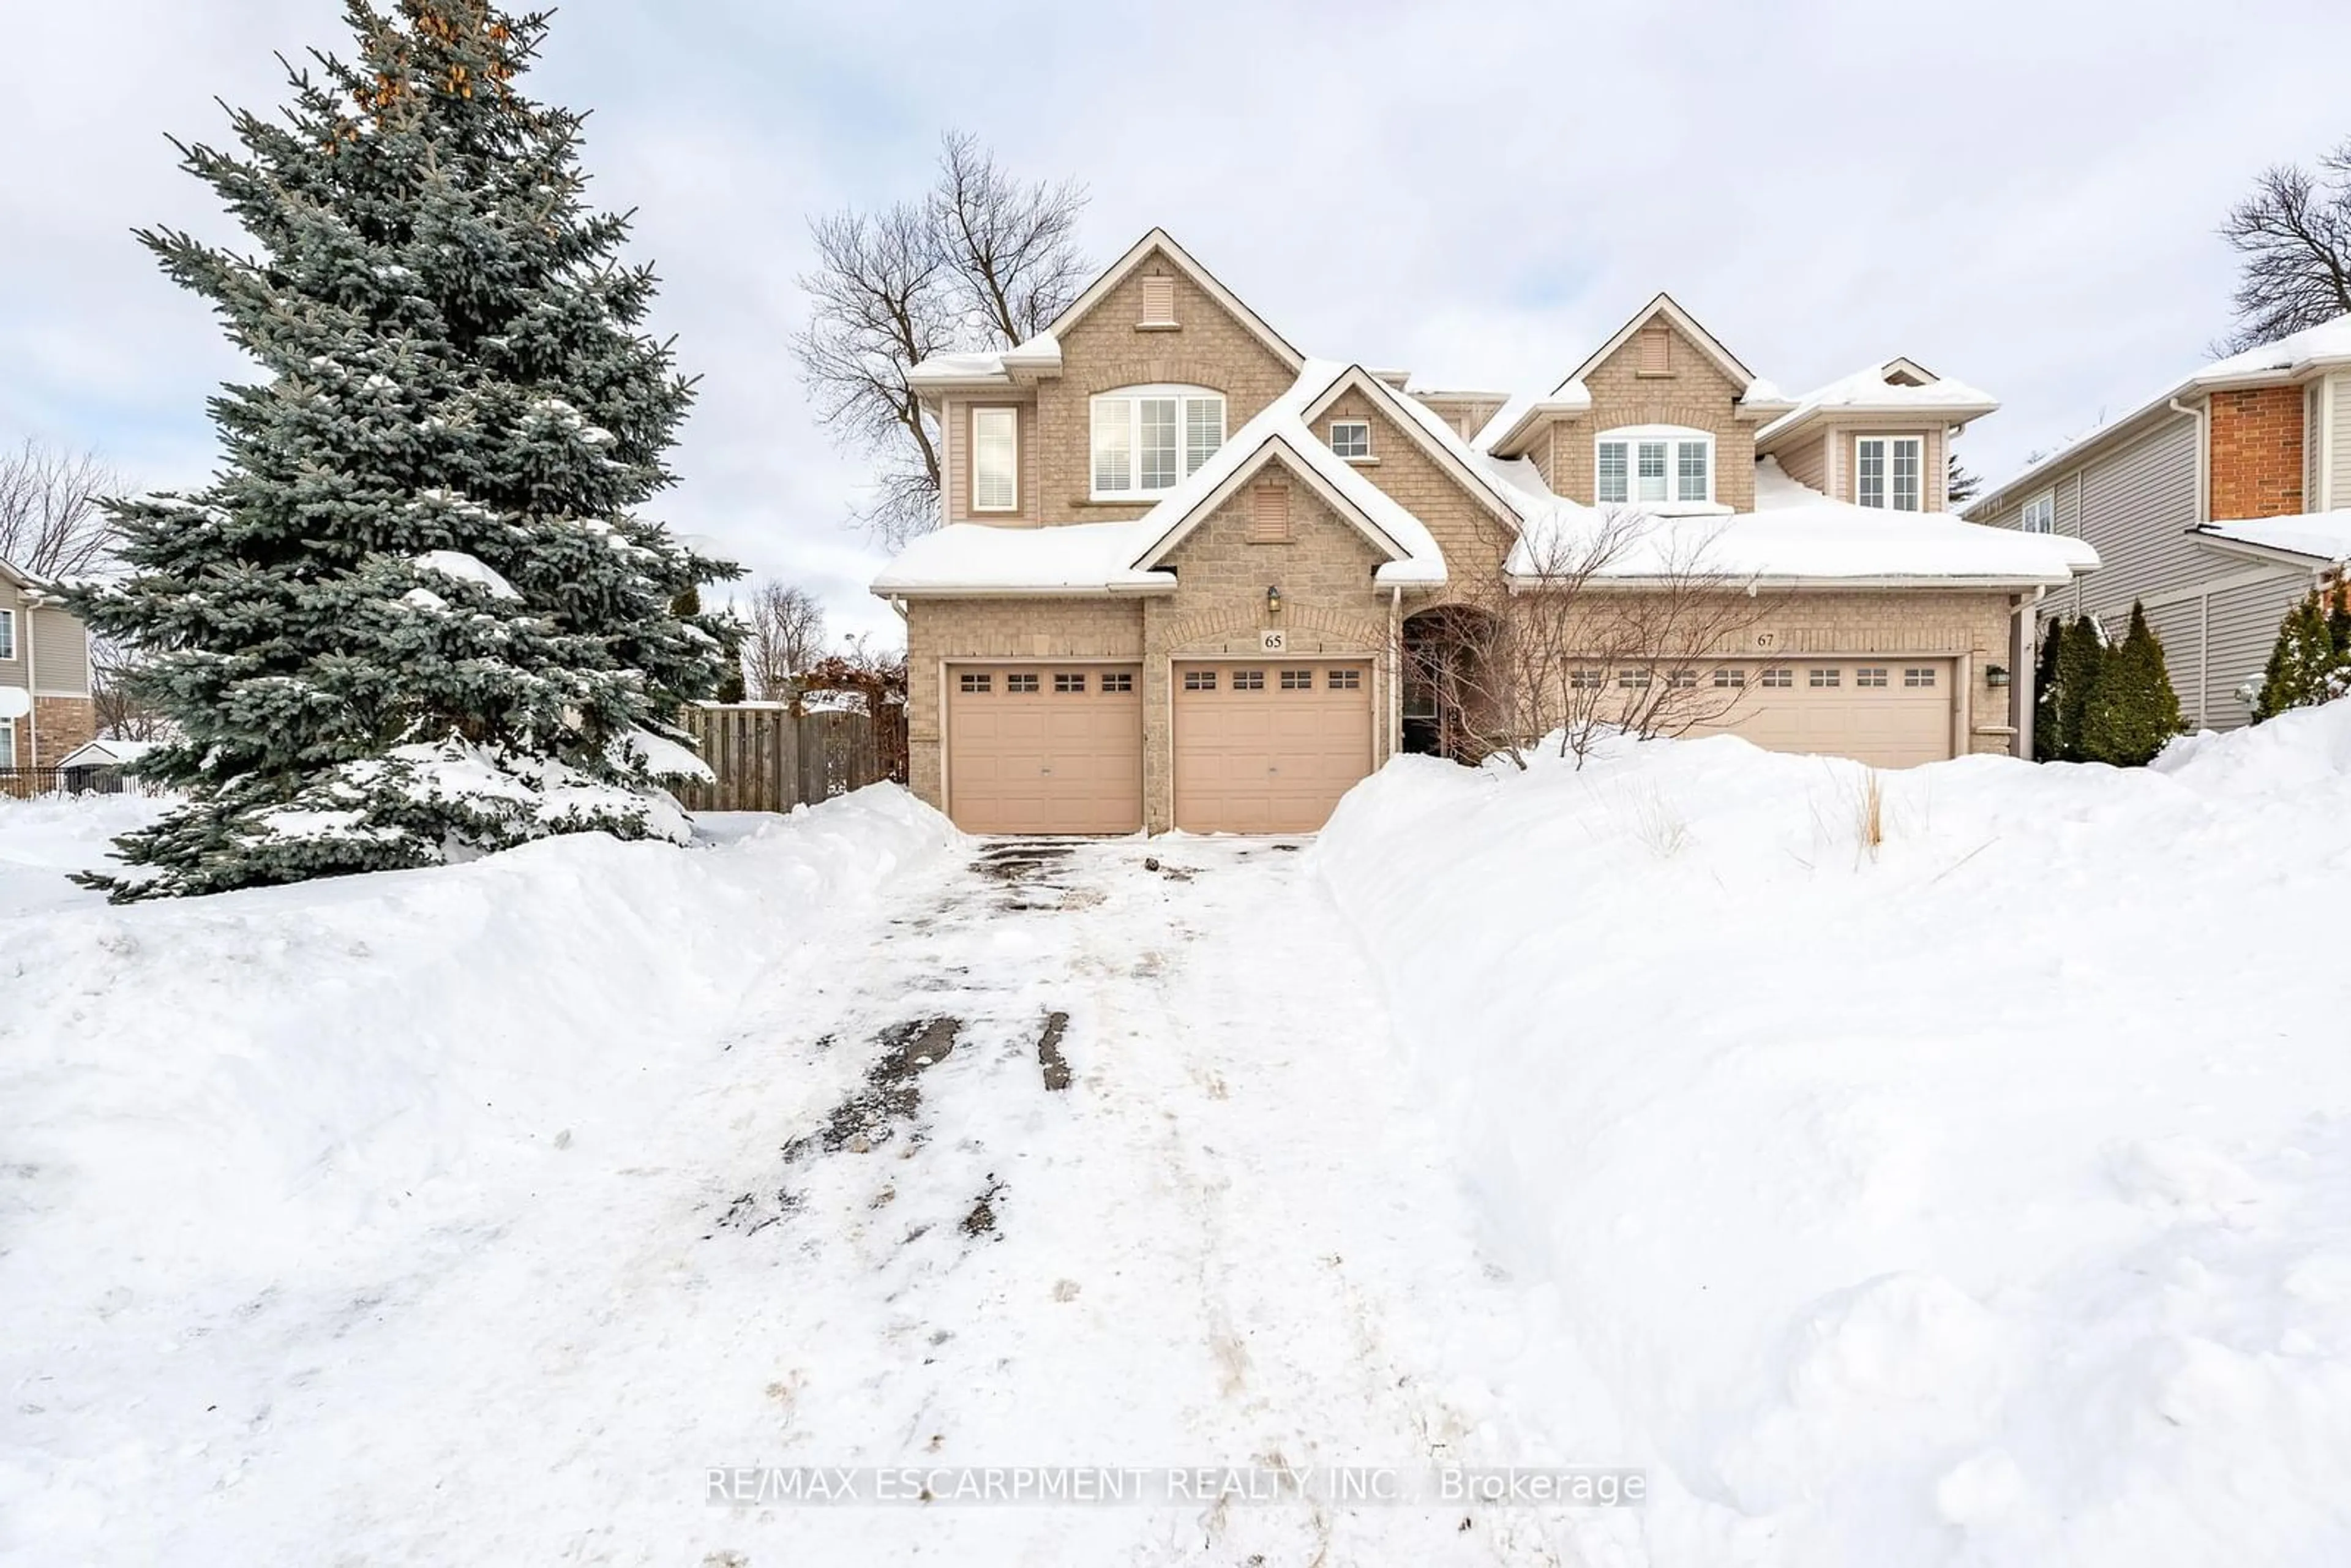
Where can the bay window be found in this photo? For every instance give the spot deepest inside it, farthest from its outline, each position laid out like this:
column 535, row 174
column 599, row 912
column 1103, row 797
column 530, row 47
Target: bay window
column 1656, row 466
column 1147, row 438
column 1887, row 470
column 994, row 460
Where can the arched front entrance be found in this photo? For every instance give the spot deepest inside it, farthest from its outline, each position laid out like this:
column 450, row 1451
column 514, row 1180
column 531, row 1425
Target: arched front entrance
column 1448, row 704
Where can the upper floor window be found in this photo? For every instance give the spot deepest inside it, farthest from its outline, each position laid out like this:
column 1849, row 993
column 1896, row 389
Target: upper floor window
column 2041, row 514
column 1351, row 437
column 1147, row 438
column 1887, row 469
column 7, row 633
column 994, row 460
column 1654, row 466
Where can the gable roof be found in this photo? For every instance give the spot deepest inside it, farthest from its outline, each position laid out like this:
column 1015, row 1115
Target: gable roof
column 1439, row 440
column 1663, row 304
column 1280, row 431
column 1043, row 352
column 1899, row 387
column 2289, row 359
column 1572, row 396
column 8, row 573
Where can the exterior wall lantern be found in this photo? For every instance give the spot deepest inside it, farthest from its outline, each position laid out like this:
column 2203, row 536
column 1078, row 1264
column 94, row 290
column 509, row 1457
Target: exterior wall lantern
column 1995, row 674
column 1273, row 602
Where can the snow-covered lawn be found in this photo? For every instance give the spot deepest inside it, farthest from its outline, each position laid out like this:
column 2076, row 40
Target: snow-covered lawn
column 1983, row 1200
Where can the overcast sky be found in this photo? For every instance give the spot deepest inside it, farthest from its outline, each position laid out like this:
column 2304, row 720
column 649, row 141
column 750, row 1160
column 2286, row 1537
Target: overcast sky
column 2022, row 195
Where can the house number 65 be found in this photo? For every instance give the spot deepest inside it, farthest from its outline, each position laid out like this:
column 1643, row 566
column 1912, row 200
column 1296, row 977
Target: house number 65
column 1271, row 641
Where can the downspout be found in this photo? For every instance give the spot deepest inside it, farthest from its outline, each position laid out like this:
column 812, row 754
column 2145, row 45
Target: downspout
column 2026, row 669
column 1396, row 669
column 2203, row 457
column 32, row 688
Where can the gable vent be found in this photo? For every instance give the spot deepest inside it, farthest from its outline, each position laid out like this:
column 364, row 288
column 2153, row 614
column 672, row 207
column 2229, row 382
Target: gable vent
column 1158, row 302
column 1656, row 351
column 1268, row 521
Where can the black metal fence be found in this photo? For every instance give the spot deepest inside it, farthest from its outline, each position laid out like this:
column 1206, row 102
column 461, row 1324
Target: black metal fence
column 31, row 783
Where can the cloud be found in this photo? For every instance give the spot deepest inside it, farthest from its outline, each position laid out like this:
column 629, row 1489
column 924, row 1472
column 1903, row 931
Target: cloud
column 2021, row 194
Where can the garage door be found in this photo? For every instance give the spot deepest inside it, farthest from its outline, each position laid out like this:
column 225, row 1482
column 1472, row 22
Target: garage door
column 1890, row 713
column 1268, row 747
column 1045, row 748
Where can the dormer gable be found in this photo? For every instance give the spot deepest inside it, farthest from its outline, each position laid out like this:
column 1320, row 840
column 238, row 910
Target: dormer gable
column 1157, row 302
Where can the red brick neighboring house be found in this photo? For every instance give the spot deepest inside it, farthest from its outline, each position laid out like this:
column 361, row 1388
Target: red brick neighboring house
column 44, row 666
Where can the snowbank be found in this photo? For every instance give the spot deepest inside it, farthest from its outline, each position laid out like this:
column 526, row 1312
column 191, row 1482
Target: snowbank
column 1986, row 1198
column 210, row 1107
column 286, row 1061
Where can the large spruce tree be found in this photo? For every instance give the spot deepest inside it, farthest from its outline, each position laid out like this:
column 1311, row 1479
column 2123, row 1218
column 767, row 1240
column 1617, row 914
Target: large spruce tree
column 416, row 612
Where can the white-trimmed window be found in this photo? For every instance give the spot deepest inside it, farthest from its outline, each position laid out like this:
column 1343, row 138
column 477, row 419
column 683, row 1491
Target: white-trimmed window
column 1147, row 438
column 1654, row 465
column 1887, row 470
column 7, row 634
column 7, row 743
column 994, row 460
column 2041, row 514
column 1351, row 437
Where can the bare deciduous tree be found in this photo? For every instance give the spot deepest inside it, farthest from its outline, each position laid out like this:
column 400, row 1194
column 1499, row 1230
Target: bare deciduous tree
column 784, row 637
column 2295, row 233
column 53, row 522
column 122, row 716
column 1011, row 248
column 1574, row 645
column 983, row 261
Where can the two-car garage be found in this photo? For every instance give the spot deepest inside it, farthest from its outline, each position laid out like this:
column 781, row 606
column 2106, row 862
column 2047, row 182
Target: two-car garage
column 1264, row 746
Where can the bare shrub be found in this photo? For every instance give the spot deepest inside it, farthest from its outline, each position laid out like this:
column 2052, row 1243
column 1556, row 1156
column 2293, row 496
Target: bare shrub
column 1612, row 625
column 1869, row 812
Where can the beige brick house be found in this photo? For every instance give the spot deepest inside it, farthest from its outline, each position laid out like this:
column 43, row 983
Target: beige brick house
column 1180, row 563
column 43, row 672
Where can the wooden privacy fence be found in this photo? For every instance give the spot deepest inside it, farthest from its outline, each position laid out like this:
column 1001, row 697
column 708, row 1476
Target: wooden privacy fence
column 768, row 758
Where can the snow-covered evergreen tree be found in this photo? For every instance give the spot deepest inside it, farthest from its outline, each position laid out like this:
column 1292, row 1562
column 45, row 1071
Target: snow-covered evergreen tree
column 2133, row 710
column 2310, row 661
column 416, row 612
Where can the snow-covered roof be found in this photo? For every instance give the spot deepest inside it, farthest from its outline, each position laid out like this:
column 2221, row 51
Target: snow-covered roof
column 950, row 368
column 2289, row 357
column 1892, row 387
column 981, row 558
column 1280, row 426
column 2322, row 538
column 106, row 753
column 1043, row 352
column 1797, row 535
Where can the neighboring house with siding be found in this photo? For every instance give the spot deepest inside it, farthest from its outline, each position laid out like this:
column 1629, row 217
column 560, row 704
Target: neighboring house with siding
column 2217, row 504
column 1185, row 572
column 44, row 656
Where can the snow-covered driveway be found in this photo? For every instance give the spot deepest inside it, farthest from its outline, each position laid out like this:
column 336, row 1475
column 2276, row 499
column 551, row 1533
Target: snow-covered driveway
column 878, row 1233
